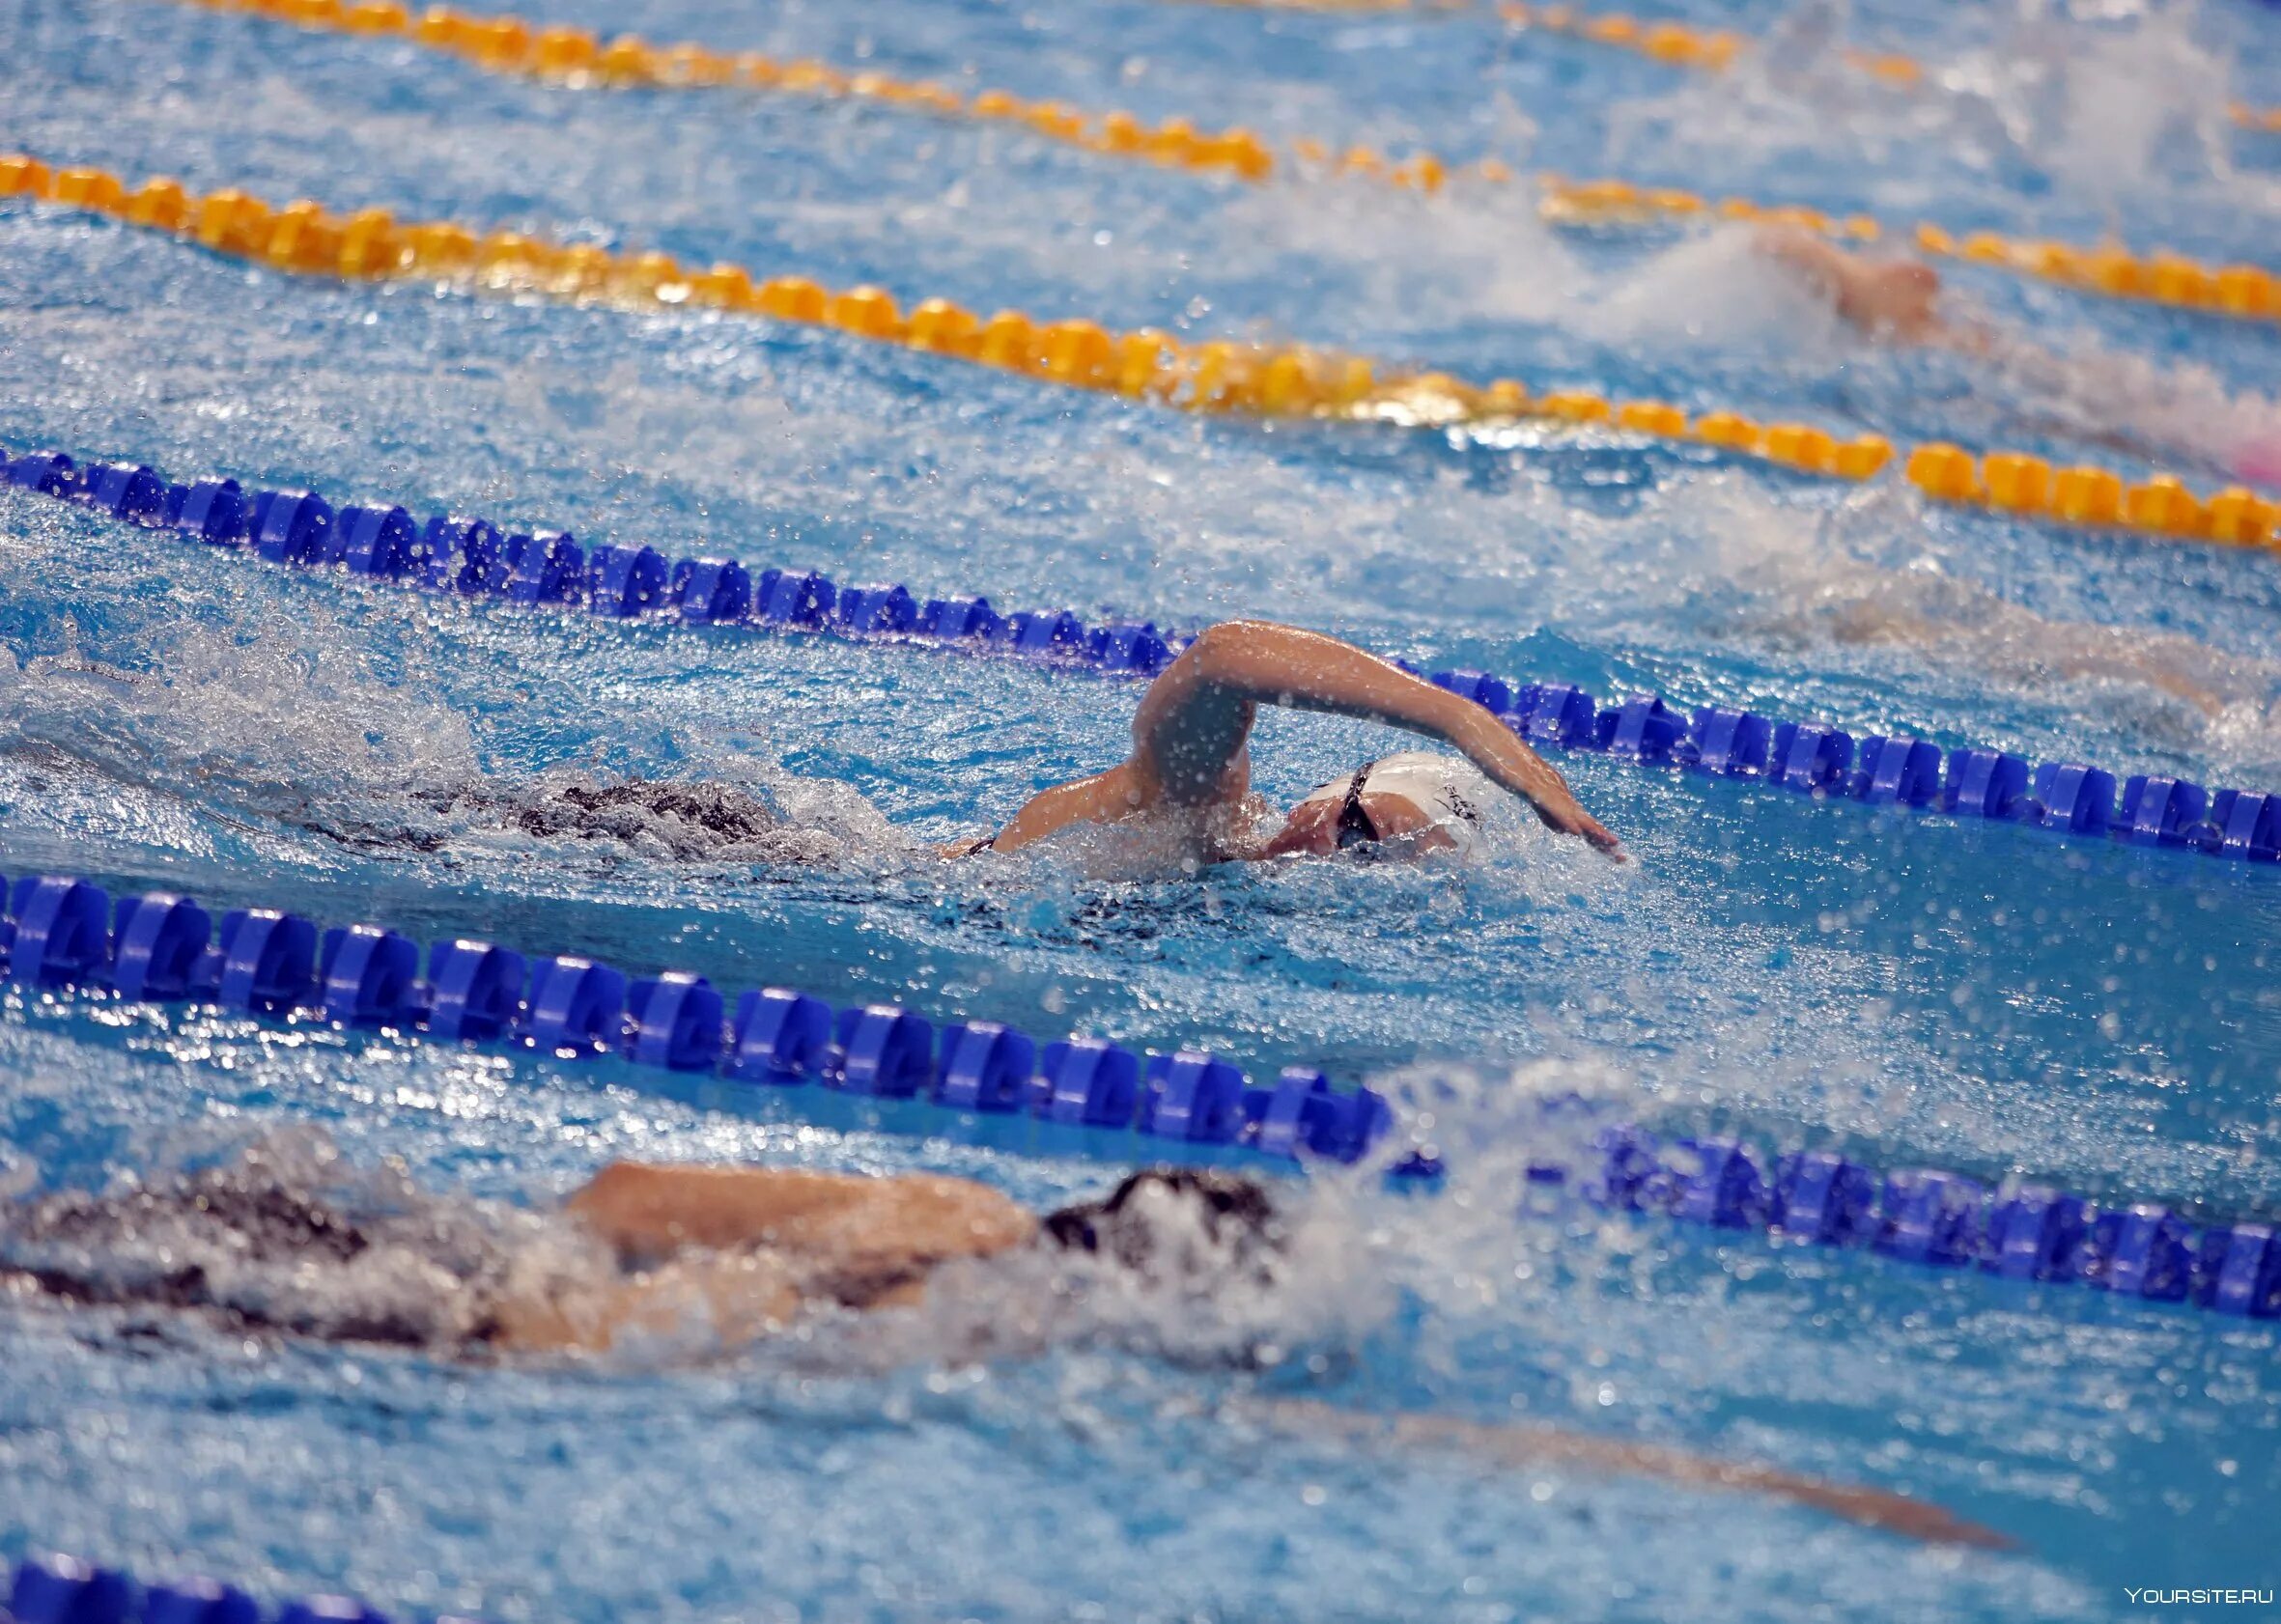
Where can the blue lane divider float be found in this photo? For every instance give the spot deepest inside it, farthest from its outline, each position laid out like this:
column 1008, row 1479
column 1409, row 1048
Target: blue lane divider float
column 2021, row 1231
column 61, row 932
column 538, row 567
column 54, row 1589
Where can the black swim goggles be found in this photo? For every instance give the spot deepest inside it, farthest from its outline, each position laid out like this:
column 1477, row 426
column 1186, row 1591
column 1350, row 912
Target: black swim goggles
column 1355, row 829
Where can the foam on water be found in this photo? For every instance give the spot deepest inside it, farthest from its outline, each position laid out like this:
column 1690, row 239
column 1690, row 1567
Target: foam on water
column 2102, row 114
column 756, row 807
column 1493, row 1313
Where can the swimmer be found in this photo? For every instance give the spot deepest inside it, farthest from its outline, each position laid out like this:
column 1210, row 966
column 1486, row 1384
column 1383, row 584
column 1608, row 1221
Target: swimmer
column 1187, row 781
column 2187, row 419
column 1189, row 778
column 1889, row 298
column 751, row 1252
column 1999, row 638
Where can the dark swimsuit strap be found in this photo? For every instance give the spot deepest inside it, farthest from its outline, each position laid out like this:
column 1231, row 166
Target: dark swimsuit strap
column 1355, row 828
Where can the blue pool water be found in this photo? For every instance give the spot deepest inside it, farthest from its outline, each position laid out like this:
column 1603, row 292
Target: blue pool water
column 1985, row 997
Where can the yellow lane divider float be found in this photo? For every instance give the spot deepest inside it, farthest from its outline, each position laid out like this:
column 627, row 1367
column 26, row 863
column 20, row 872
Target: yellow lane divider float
column 512, row 45
column 578, row 58
column 1214, row 376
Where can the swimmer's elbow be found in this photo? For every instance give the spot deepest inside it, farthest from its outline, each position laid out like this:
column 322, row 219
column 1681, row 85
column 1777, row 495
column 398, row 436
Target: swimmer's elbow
column 1219, row 647
column 611, row 1187
column 622, row 1204
column 1265, row 660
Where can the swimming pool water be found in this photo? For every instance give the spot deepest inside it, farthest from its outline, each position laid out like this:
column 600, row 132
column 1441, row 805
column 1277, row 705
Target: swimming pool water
column 1983, row 998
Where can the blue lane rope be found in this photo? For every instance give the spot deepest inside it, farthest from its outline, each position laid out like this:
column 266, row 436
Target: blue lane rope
column 538, row 567
column 1080, row 1093
column 57, row 1589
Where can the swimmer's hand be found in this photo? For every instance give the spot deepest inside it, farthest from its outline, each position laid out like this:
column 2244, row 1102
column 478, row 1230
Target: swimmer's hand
column 1564, row 815
column 1498, row 752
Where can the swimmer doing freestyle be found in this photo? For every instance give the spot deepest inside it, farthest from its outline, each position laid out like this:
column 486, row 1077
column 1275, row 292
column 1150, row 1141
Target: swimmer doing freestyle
column 1185, row 792
column 1897, row 300
column 750, row 1253
column 1189, row 779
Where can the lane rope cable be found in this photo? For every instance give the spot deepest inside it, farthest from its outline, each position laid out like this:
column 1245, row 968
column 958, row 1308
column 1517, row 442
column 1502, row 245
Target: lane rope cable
column 1670, row 41
column 575, row 57
column 1082, row 1095
column 540, row 568
column 1214, row 376
column 51, row 1588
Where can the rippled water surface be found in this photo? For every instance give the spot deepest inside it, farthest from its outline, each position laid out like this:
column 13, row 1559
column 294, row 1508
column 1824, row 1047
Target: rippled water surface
column 1904, row 988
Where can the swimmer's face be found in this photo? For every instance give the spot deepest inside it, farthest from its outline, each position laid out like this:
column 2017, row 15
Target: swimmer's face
column 1404, row 830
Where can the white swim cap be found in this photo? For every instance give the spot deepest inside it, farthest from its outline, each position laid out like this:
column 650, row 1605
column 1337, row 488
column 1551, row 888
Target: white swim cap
column 1441, row 787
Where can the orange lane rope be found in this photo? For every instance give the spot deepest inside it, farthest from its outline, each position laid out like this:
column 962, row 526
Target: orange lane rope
column 509, row 45
column 1213, row 376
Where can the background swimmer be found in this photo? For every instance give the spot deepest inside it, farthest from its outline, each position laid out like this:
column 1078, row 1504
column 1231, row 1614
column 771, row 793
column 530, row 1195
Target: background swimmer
column 643, row 1249
column 1892, row 298
column 2121, row 403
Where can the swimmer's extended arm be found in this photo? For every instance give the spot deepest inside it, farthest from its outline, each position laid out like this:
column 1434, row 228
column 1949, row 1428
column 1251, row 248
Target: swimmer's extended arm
column 1529, row 1447
column 731, row 1254
column 833, row 1221
column 1885, row 299
column 1189, row 736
